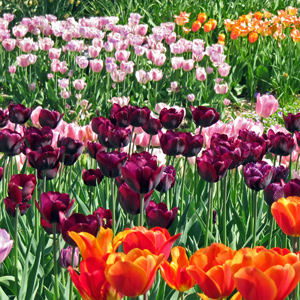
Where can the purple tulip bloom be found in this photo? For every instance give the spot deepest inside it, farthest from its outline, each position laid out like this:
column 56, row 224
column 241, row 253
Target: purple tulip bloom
column 94, row 148
column 171, row 118
column 172, row 143
column 273, row 192
column 204, row 116
column 152, row 126
column 92, row 177
column 10, row 142
column 50, row 119
column 167, row 179
column 138, row 116
column 36, row 138
column 280, row 143
column 18, row 113
column 3, row 118
column 292, row 122
column 104, row 217
column 193, row 144
column 119, row 115
column 65, row 257
column 292, row 188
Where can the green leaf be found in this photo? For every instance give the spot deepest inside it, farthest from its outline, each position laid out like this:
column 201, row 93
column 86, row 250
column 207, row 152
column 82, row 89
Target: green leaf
column 262, row 73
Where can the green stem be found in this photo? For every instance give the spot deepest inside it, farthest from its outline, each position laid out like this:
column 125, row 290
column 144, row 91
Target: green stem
column 36, row 215
column 254, row 217
column 142, row 210
column 224, row 211
column 4, row 179
column 182, row 186
column 271, row 232
column 209, row 214
column 44, row 182
column 55, row 263
column 71, row 282
column 70, row 180
column 16, row 251
column 113, row 206
column 149, row 143
column 131, row 221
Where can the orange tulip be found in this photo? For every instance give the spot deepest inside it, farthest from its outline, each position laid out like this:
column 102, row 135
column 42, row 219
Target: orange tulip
column 292, row 10
column 235, row 33
column 202, row 17
column 91, row 283
column 186, row 30
column 286, row 212
column 196, row 26
column 213, row 23
column 207, row 27
column 132, row 274
column 236, row 296
column 174, row 273
column 182, row 19
column 258, row 15
column 157, row 240
column 222, row 37
column 228, row 24
column 253, row 36
column 210, row 268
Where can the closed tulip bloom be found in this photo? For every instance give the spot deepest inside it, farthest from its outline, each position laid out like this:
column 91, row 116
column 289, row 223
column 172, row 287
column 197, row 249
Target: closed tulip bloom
column 92, row 177
column 36, row 138
column 65, row 257
column 253, row 36
column 292, row 122
column 280, row 143
column 158, row 215
column 167, row 179
column 152, row 126
column 50, row 174
column 71, row 146
column 280, row 173
column 77, row 223
column 119, row 115
column 94, row 148
column 138, row 116
column 200, row 74
column 172, row 143
column 10, row 207
column 118, row 137
column 188, row 65
column 96, row 65
column 133, row 274
column 45, row 158
column 111, row 163
column 79, row 84
column 171, row 118
column 202, row 17
column 266, row 105
column 104, row 125
column 5, row 244
column 196, row 26
column 193, row 144
column 10, row 142
column 258, row 175
column 204, row 116
column 104, row 217
column 21, row 187
column 48, row 118
column 292, row 188
column 18, row 113
column 130, row 200
column 3, row 118
column 142, row 173
column 273, row 192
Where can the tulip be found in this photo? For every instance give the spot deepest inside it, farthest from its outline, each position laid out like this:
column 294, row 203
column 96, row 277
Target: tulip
column 172, row 143
column 79, row 84
column 5, row 245
column 96, row 65
column 104, row 217
column 196, row 26
column 119, row 115
column 10, row 207
column 3, row 118
column 280, row 173
column 18, row 113
column 193, row 144
column 171, row 118
column 152, row 126
column 292, row 122
column 50, row 174
column 266, row 105
column 65, row 257
column 94, row 148
column 253, row 36
column 167, row 179
column 10, row 142
column 158, row 215
column 141, row 172
column 71, row 146
column 92, row 177
column 133, row 274
column 48, row 118
column 77, row 223
column 292, row 188
column 200, row 74
column 138, row 116
column 35, row 138
column 104, row 125
column 130, row 200
column 273, row 192
column 118, row 137
column 111, row 163
column 281, row 144
column 202, row 17
column 204, row 116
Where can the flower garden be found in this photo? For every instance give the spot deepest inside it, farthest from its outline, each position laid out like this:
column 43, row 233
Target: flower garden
column 149, row 151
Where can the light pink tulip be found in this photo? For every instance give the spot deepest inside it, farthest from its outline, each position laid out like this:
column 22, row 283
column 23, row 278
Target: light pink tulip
column 58, row 66
column 79, row 84
column 200, row 74
column 5, row 244
column 224, row 69
column 118, row 76
column 127, row 67
column 46, row 44
column 209, row 70
column 35, row 116
column 65, row 94
column 54, row 53
column 122, row 101
column 82, row 61
column 67, row 35
column 96, row 65
column 188, row 65
column 191, row 97
column 176, row 62
column 226, row 101
column 50, row 76
column 9, row 44
column 26, row 44
column 171, row 38
column 8, row 17
column 108, row 47
column 266, row 105
column 157, row 74
column 141, row 29
column 32, row 86
column 32, row 58
column 221, row 88
column 93, row 51
column 63, row 83
column 97, row 43
column 19, row 31
column 22, row 60
column 122, row 55
column 12, row 69
column 140, row 50
column 141, row 76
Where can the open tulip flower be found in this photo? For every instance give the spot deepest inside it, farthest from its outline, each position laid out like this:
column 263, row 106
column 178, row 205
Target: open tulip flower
column 5, row 244
column 174, row 273
column 133, row 274
column 168, row 179
column 266, row 105
column 292, row 122
column 280, row 143
column 171, row 118
column 172, row 143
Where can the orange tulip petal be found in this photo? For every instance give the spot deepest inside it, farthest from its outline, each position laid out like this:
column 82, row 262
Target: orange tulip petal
column 253, row 284
column 76, row 280
column 168, row 273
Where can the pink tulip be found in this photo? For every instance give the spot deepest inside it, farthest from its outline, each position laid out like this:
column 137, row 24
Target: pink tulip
column 157, row 74
column 118, row 76
column 93, row 51
column 32, row 86
column 266, row 105
column 108, row 47
column 8, row 17
column 139, row 50
column 32, row 58
column 188, row 65
column 26, row 44
column 50, row 76
column 224, row 69
column 97, row 43
column 141, row 29
column 63, row 83
column 122, row 55
column 12, row 69
column 19, row 31
column 79, row 84
column 46, row 44
column 160, row 59
column 65, row 94
column 22, row 61
column 5, row 245
column 82, row 61
column 54, row 53
column 221, row 88
column 96, row 65
column 209, row 70
column 127, row 67
column 35, row 116
column 176, row 62
column 226, row 101
column 58, row 66
column 200, row 74
column 122, row 101
column 67, row 35
column 9, row 44
column 191, row 97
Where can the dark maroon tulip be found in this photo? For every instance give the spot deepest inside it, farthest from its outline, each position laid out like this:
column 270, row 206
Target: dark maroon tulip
column 171, row 118
column 36, row 138
column 21, row 187
column 78, row 223
column 50, row 174
column 110, row 163
column 118, row 137
column 104, row 217
column 119, row 115
column 172, row 143
column 292, row 188
column 119, row 181
column 10, row 207
column 103, row 129
column 52, row 203
column 94, row 148
column 18, row 113
column 292, row 122
column 159, row 215
column 130, row 200
column 141, row 172
column 92, row 177
column 273, row 192
column 258, row 175
column 50, row 119
column 45, row 158
column 96, row 122
column 138, row 116
column 280, row 173
column 297, row 138
column 71, row 146
column 65, row 257
column 1, row 173
column 3, row 118
column 70, row 160
column 280, row 143
column 204, row 116
column 167, row 179
column 211, row 167
column 48, row 227
column 193, row 144
column 10, row 142
column 152, row 126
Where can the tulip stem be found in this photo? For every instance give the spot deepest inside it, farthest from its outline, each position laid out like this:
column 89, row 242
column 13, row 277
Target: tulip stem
column 195, row 182
column 16, row 250
column 129, row 149
column 131, row 221
column 44, row 181
column 182, row 187
column 5, row 177
column 142, row 210
column 36, row 215
column 254, row 216
column 55, row 263
column 149, row 142
column 275, row 159
column 71, row 282
column 224, row 210
column 113, row 206
column 209, row 214
column 271, row 232
column 297, row 163
column 181, row 296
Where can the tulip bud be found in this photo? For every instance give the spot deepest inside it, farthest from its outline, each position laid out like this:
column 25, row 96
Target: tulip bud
column 65, row 257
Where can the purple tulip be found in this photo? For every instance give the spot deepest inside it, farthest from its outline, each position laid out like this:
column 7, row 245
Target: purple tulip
column 152, row 126
column 94, row 148
column 171, row 118
column 118, row 137
column 292, row 122
column 292, row 188
column 5, row 244
column 48, row 227
column 280, row 143
column 172, row 143
column 10, row 207
column 10, row 142
column 167, row 179
column 193, row 144
column 3, row 118
column 92, row 177
column 18, row 113
column 280, row 173
column 273, row 192
column 36, row 138
column 104, row 217
column 258, row 175
column 204, row 116
column 103, row 129
column 96, row 122
column 50, row 119
column 141, row 172
column 138, row 116
column 159, row 215
column 111, row 163
column 119, row 115
column 65, row 257
column 71, row 146
column 50, row 174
